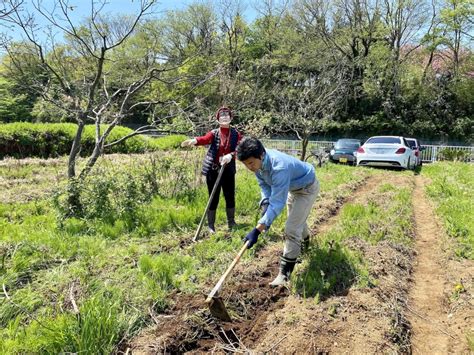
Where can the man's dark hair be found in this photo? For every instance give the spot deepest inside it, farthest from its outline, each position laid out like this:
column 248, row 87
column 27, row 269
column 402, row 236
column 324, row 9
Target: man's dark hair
column 250, row 147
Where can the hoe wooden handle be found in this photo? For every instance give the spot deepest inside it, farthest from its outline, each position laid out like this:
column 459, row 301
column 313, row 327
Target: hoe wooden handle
column 213, row 192
column 227, row 272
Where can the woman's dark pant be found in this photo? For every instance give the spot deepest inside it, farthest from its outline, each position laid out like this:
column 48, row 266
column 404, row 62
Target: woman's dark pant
column 227, row 183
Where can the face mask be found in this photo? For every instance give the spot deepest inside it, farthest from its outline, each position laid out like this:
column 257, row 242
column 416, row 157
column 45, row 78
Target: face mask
column 224, row 121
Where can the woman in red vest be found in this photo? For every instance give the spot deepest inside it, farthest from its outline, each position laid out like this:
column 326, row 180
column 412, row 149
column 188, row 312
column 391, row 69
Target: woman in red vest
column 222, row 143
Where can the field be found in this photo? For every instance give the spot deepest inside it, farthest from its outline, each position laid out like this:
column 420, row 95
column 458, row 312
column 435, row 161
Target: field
column 390, row 267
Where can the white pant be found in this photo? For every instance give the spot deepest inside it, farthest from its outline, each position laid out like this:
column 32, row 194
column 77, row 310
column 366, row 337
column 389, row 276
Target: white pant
column 299, row 204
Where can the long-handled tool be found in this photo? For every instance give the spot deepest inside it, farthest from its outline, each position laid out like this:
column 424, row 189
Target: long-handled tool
column 215, row 303
column 213, row 192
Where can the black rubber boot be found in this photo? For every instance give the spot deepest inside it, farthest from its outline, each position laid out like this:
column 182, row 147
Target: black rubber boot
column 231, row 218
column 211, row 220
column 305, row 245
column 286, row 268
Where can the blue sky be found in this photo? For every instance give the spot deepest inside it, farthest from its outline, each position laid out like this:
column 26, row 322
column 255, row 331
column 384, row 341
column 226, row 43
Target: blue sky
column 82, row 8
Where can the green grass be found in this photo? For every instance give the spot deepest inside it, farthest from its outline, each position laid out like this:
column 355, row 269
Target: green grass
column 470, row 340
column 99, row 326
column 331, row 267
column 386, row 216
column 124, row 256
column 333, row 176
column 452, row 189
column 23, row 180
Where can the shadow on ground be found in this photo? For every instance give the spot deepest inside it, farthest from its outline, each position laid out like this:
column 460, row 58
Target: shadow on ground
column 330, row 271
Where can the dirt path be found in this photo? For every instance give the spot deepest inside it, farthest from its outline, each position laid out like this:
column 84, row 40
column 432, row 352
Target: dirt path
column 428, row 316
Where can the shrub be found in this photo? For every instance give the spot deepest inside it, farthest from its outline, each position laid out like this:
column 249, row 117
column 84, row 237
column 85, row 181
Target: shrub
column 22, row 140
column 454, row 154
column 112, row 193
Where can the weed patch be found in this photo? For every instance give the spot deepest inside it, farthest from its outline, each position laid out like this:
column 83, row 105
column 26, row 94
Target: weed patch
column 452, row 189
column 331, row 267
column 97, row 328
column 128, row 253
column 328, row 269
column 164, row 273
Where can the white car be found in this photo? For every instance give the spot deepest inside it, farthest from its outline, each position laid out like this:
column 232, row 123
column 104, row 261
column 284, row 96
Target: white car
column 388, row 151
column 417, row 149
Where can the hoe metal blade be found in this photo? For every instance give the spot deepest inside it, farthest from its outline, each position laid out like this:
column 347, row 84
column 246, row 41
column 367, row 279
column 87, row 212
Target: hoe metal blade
column 218, row 309
column 215, row 303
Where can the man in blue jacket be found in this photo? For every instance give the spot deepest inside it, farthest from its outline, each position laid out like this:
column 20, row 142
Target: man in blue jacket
column 283, row 179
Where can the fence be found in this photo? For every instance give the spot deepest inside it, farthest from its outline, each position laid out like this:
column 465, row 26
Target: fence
column 294, row 147
column 430, row 153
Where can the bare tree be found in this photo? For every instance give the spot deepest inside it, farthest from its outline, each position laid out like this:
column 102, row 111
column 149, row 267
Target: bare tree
column 404, row 20
column 309, row 99
column 87, row 98
column 78, row 75
column 349, row 27
column 8, row 7
column 233, row 28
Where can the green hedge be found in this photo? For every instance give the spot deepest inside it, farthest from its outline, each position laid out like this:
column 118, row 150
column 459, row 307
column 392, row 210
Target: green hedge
column 452, row 154
column 46, row 140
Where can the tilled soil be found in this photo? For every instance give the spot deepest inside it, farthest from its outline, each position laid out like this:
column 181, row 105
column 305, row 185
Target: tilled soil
column 366, row 320
column 190, row 327
column 406, row 311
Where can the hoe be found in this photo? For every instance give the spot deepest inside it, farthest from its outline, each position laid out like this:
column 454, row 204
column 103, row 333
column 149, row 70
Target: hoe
column 215, row 303
column 214, row 189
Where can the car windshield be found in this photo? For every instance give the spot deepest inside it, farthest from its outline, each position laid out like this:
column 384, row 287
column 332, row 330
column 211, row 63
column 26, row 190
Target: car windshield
column 411, row 143
column 388, row 140
column 346, row 144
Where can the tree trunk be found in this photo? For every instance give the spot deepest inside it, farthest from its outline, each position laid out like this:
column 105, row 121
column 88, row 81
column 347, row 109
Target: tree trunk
column 76, row 147
column 98, row 149
column 74, row 205
column 304, row 147
column 73, row 200
column 428, row 65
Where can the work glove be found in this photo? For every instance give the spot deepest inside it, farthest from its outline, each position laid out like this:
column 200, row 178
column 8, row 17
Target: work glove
column 226, row 159
column 252, row 237
column 189, row 142
column 264, row 205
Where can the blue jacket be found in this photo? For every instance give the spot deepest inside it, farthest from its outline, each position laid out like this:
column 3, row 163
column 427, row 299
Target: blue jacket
column 279, row 174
